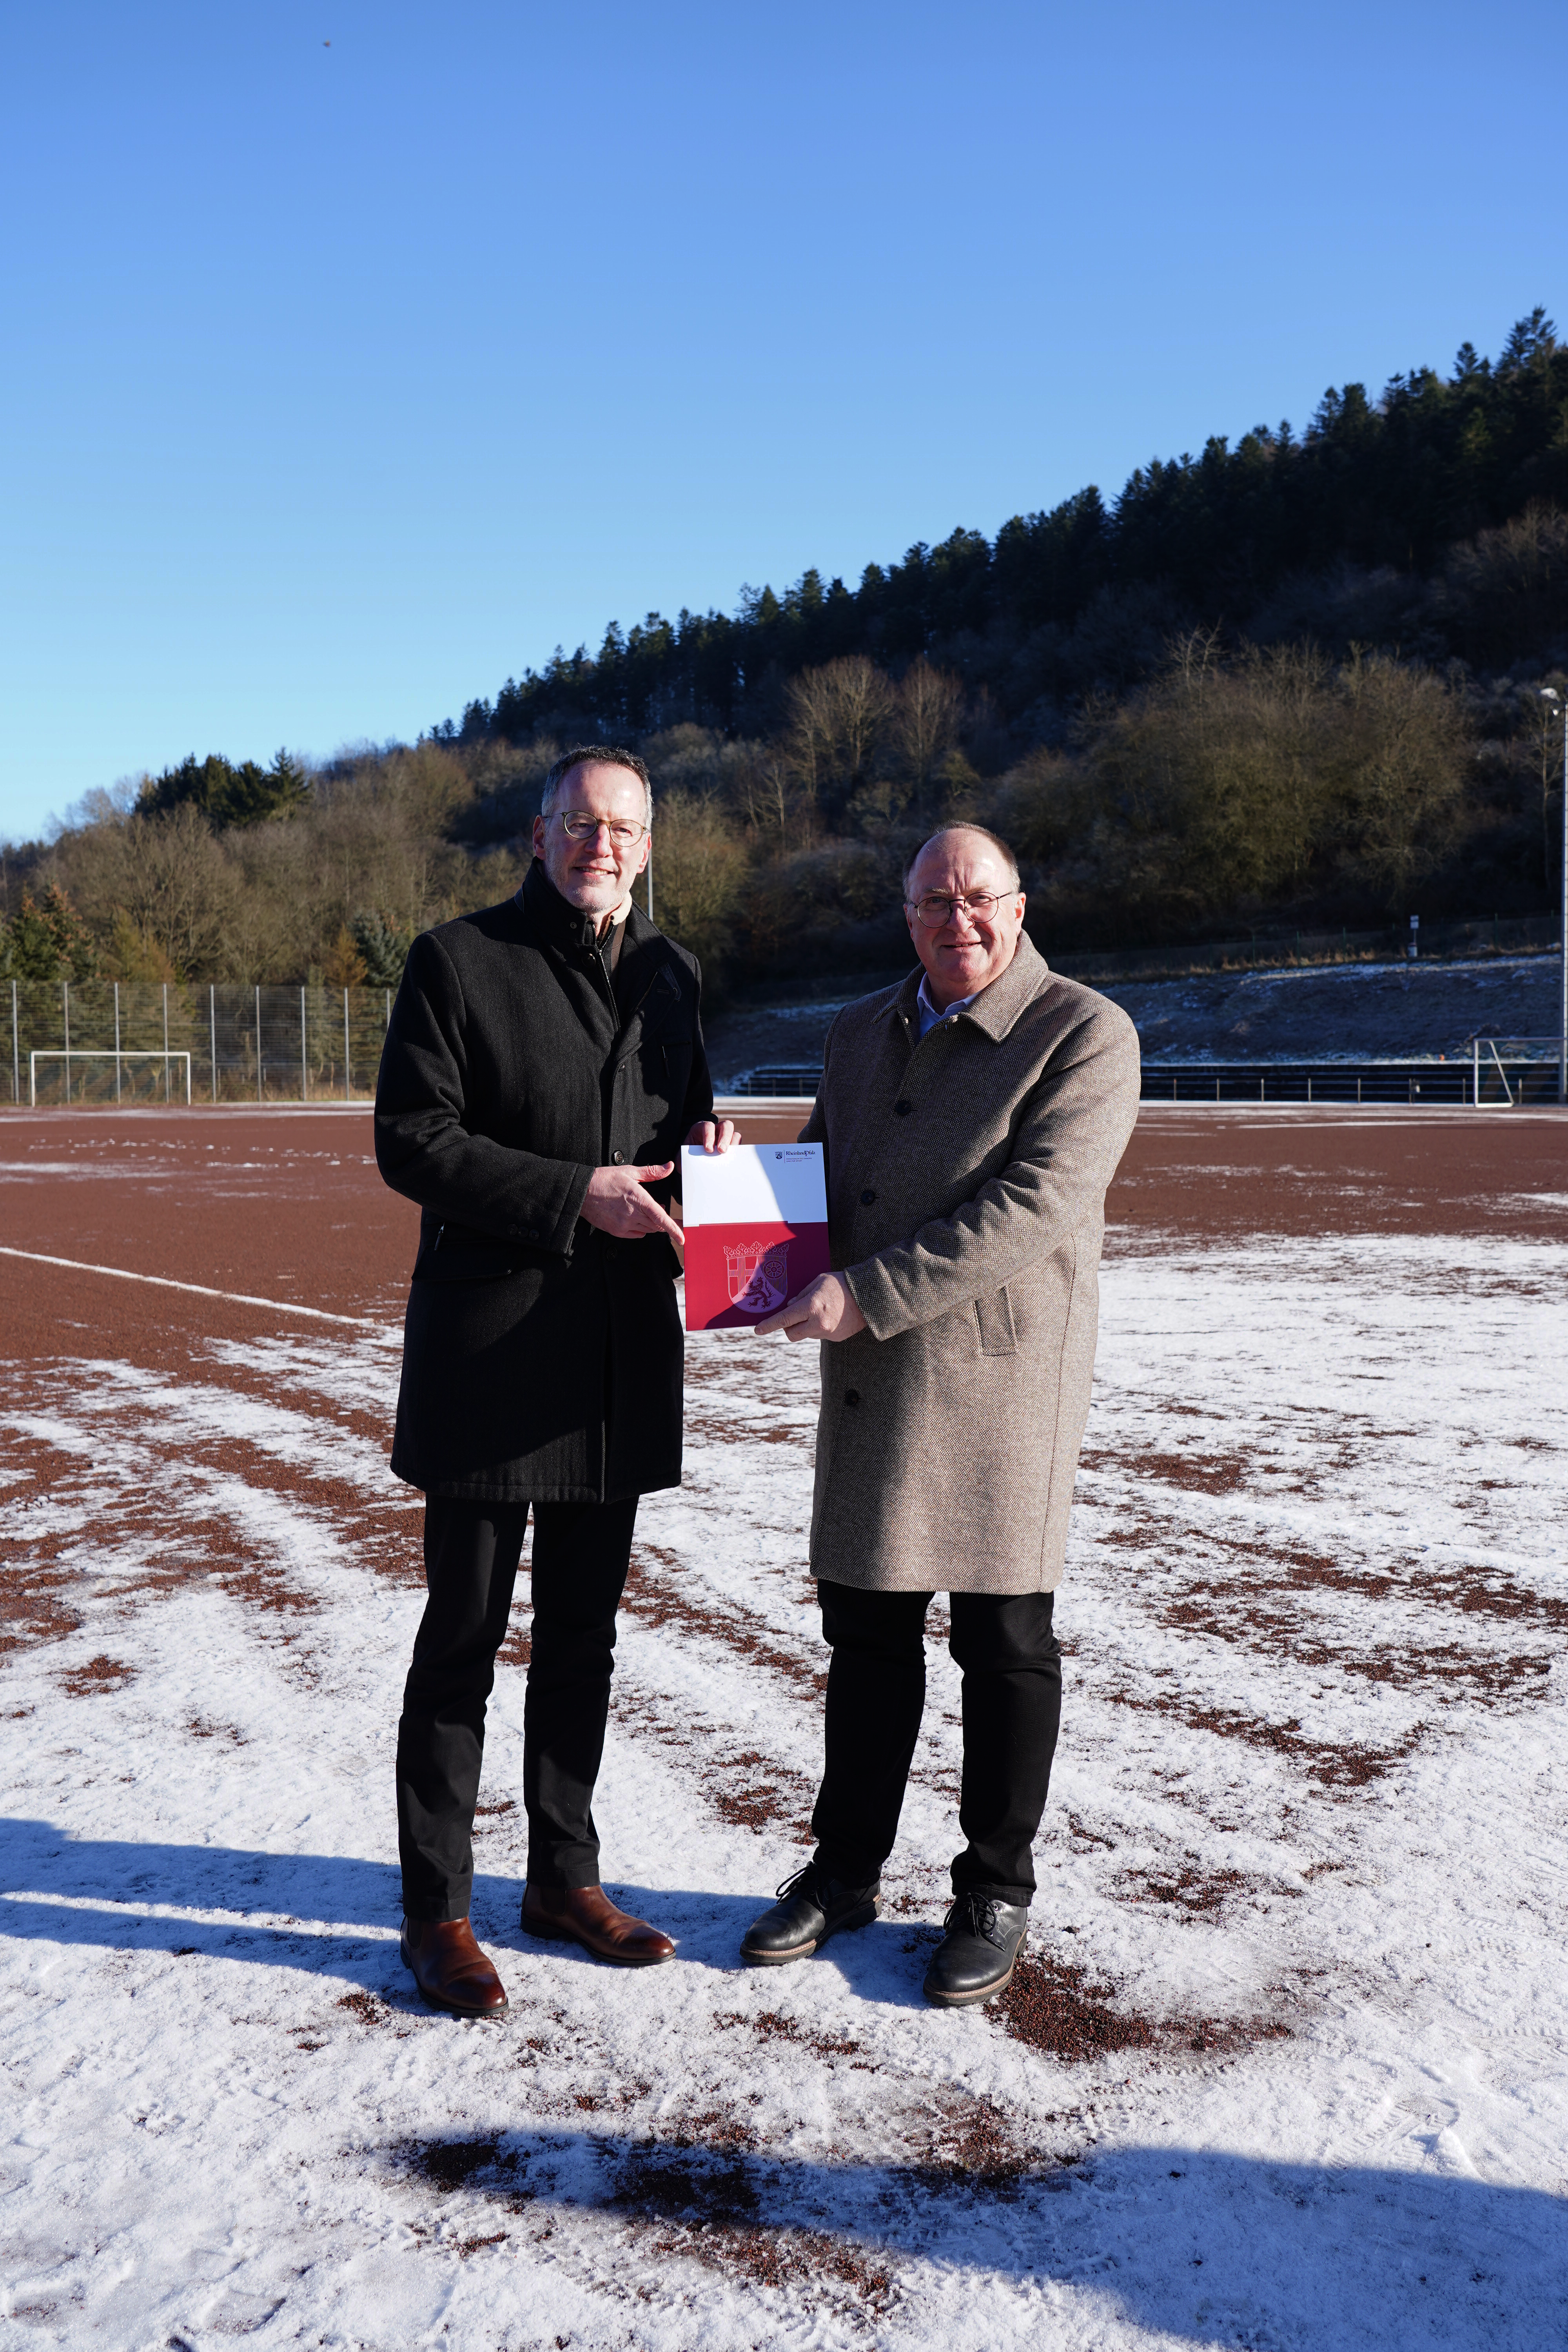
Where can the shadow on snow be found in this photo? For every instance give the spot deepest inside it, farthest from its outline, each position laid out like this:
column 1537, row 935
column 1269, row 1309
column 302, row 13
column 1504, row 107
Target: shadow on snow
column 1209, row 2247
column 347, row 1906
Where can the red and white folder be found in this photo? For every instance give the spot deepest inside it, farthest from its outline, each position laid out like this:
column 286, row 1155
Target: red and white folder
column 756, row 1230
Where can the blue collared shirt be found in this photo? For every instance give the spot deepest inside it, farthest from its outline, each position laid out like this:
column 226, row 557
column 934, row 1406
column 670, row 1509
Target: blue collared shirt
column 929, row 1015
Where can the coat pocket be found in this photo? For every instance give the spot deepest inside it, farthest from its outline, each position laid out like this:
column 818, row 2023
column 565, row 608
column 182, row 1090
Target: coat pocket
column 476, row 1260
column 994, row 1315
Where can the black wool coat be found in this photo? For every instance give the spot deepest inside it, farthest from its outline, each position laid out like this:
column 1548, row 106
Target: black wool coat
column 541, row 1359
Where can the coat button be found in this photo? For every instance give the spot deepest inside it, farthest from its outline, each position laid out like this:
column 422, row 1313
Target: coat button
column 903, row 1109
column 851, row 1396
column 867, row 1199
column 617, row 1159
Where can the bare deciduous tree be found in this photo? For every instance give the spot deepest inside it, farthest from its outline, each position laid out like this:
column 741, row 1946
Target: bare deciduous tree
column 927, row 716
column 838, row 716
column 167, row 877
column 699, row 867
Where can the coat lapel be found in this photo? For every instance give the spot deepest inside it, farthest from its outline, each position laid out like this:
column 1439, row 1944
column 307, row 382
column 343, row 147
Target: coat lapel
column 997, row 1008
column 647, row 990
column 566, row 938
column 994, row 1010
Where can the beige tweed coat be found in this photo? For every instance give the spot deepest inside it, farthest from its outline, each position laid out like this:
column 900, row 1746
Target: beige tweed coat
column 966, row 1179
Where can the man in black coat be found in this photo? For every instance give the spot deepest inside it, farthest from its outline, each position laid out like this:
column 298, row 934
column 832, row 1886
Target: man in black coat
column 544, row 1061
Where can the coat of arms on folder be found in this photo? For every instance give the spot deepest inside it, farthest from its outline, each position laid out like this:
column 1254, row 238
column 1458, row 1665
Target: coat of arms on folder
column 759, row 1275
column 756, row 1230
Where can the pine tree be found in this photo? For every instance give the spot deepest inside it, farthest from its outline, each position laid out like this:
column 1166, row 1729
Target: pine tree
column 47, row 942
column 382, row 950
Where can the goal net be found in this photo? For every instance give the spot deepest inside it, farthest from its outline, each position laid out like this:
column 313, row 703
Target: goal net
column 176, row 1067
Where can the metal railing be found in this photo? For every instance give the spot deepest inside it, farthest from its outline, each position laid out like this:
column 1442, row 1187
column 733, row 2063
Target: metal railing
column 1486, row 1074
column 1481, row 1080
column 124, row 1043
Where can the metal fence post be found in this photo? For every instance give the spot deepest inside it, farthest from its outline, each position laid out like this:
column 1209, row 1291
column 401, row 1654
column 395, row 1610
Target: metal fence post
column 348, row 1091
column 304, row 1063
column 211, row 1029
column 1563, row 941
column 15, row 1050
column 259, row 1041
column 166, row 1094
column 116, row 1042
column 66, row 987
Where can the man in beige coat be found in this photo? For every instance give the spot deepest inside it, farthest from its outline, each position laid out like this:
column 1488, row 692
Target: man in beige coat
column 973, row 1117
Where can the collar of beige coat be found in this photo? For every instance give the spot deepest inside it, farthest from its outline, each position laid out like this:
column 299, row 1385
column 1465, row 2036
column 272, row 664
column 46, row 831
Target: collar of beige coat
column 995, row 1008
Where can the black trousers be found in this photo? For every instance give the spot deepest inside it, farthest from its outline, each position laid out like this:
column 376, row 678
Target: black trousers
column 581, row 1553
column 876, row 1695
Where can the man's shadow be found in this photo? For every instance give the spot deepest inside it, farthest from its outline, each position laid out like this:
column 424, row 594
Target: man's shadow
column 1185, row 2244
column 1198, row 2246
column 325, row 1914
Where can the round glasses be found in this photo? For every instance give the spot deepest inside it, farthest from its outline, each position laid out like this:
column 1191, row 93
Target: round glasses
column 624, row 831
column 938, row 906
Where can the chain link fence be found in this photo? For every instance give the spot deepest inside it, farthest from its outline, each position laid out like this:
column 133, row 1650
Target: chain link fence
column 108, row 1042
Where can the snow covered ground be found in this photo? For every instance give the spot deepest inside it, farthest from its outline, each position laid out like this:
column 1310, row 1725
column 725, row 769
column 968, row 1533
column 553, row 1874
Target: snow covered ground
column 1288, row 2065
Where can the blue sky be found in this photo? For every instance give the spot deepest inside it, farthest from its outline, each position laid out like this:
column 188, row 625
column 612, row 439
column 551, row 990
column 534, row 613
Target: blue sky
column 339, row 382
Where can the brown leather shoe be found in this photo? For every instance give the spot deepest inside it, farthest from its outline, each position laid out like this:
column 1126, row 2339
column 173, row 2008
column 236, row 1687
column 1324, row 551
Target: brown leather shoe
column 449, row 1969
column 585, row 1916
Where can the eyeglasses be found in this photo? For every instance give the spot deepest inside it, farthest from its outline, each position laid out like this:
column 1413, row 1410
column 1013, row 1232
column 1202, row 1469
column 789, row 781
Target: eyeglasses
column 624, row 831
column 938, row 906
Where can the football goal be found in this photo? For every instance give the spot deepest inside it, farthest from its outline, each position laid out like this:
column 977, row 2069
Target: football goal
column 117, row 1056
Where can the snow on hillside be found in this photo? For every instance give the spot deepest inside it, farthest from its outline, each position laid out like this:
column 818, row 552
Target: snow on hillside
column 1287, row 2067
column 1330, row 1011
column 1313, row 1013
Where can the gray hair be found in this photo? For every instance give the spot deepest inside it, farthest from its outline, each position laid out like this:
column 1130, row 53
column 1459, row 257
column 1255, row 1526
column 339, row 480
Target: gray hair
column 598, row 755
column 997, row 843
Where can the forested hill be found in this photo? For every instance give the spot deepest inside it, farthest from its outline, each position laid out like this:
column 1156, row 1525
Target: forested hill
column 1345, row 531
column 1312, row 681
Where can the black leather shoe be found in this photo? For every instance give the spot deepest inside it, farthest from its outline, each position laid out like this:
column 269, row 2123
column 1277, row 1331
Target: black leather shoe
column 810, row 1908
column 977, row 1955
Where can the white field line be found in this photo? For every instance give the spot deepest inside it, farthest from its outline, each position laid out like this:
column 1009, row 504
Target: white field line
column 200, row 1290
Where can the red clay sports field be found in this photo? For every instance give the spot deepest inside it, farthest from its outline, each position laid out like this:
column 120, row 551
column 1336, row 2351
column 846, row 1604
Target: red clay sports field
column 1286, row 2063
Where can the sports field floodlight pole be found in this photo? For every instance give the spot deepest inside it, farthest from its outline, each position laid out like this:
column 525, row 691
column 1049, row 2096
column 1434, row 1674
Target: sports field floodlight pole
column 1549, row 694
